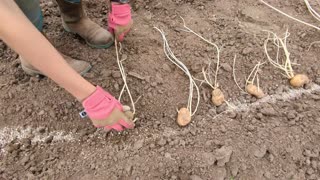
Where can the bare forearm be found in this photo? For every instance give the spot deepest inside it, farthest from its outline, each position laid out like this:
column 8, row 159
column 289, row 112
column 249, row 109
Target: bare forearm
column 26, row 40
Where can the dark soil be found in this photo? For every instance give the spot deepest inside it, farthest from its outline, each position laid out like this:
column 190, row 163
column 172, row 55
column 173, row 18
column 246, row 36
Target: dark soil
column 43, row 137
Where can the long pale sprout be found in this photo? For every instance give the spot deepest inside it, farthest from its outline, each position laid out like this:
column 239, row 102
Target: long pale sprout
column 298, row 20
column 281, row 43
column 254, row 74
column 311, row 10
column 187, row 29
column 170, row 55
column 234, row 73
column 124, row 78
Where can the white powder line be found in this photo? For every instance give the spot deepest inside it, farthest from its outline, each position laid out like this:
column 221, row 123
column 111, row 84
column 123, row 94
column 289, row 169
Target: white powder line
column 286, row 96
column 9, row 134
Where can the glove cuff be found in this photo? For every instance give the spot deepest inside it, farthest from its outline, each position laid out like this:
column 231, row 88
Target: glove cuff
column 120, row 14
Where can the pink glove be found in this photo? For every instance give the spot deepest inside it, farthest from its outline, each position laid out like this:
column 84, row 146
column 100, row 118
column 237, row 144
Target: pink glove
column 120, row 20
column 105, row 111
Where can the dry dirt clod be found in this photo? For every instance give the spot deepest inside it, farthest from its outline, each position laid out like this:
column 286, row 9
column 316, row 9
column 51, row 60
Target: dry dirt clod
column 195, row 177
column 116, row 74
column 234, row 169
column 219, row 173
column 226, row 67
column 162, row 142
column 223, row 155
column 209, row 159
column 48, row 139
column 138, row 144
column 247, row 50
column 268, row 111
column 260, row 152
column 166, row 67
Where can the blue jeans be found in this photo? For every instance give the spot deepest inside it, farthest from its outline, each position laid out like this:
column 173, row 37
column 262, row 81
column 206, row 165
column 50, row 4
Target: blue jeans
column 31, row 8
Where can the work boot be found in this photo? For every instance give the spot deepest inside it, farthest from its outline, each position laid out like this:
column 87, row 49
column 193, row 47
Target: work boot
column 81, row 67
column 76, row 21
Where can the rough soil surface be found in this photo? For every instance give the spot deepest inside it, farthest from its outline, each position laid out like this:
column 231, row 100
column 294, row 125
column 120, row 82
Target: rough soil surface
column 43, row 137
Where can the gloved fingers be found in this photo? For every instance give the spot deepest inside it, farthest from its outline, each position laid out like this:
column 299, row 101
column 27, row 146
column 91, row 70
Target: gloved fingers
column 110, row 120
column 121, row 36
column 127, row 125
column 126, row 108
column 107, row 128
column 121, row 31
column 117, row 127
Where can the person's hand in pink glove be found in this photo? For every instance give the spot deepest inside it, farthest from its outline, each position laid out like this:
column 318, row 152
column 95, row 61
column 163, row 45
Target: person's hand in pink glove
column 120, row 20
column 106, row 112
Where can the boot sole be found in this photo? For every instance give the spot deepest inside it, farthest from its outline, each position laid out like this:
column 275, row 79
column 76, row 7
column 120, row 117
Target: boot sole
column 105, row 46
column 32, row 72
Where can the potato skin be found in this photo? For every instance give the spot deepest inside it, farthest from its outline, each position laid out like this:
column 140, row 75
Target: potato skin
column 299, row 80
column 184, row 117
column 129, row 115
column 217, row 97
column 254, row 91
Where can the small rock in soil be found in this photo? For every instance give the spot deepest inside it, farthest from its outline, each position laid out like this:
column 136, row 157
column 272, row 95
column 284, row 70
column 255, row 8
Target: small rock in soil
column 209, row 159
column 219, row 173
column 106, row 73
column 268, row 111
column 41, row 113
column 291, row 114
column 260, row 152
column 129, row 168
column 162, row 142
column 221, row 108
column 234, row 170
column 232, row 114
column 48, row 139
column 136, row 75
column 223, row 155
column 195, row 177
column 246, row 51
column 42, row 130
column 167, row 155
column 166, row 67
column 25, row 160
column 313, row 177
column 138, row 144
column 226, row 67
column 223, row 129
column 267, row 175
column 314, row 164
column 310, row 171
column 116, row 74
column 315, row 97
column 250, row 128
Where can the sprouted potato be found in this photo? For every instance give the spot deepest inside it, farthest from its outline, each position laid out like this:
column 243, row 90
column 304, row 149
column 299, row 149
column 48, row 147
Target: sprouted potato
column 184, row 114
column 217, row 95
column 298, row 80
column 184, row 117
column 251, row 88
column 255, row 91
column 126, row 109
